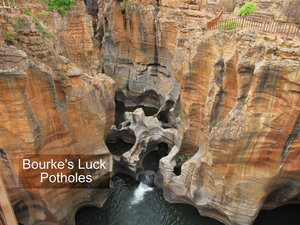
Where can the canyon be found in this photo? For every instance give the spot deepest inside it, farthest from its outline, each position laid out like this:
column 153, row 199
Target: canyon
column 220, row 108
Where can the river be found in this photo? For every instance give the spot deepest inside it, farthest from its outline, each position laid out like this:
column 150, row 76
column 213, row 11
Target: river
column 133, row 203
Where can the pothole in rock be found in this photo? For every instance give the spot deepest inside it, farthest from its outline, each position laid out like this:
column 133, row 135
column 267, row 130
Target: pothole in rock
column 151, row 160
column 177, row 170
column 119, row 113
column 121, row 109
column 165, row 118
column 149, row 111
column 119, row 147
column 181, row 159
column 119, row 142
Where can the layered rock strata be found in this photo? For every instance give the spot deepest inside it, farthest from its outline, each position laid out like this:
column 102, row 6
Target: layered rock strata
column 53, row 101
column 224, row 105
column 236, row 114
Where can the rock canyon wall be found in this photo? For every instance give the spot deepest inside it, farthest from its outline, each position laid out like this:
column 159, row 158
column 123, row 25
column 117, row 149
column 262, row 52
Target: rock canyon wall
column 53, row 101
column 234, row 115
column 220, row 108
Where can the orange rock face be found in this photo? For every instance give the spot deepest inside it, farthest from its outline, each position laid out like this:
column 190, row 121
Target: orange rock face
column 247, row 123
column 238, row 108
column 226, row 102
column 49, row 105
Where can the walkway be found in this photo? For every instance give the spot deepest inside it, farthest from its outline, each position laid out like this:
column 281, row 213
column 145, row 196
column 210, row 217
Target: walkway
column 11, row 3
column 254, row 23
column 257, row 24
column 7, row 215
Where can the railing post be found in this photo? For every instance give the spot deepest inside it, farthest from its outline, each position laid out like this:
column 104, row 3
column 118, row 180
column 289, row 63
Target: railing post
column 243, row 22
column 225, row 25
column 289, row 30
column 264, row 25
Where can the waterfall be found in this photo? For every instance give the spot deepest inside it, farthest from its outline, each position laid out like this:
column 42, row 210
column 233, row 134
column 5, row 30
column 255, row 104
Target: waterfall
column 139, row 193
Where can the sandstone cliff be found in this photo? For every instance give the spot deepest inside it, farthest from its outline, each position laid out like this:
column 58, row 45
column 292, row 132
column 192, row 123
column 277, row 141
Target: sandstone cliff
column 222, row 105
column 232, row 101
column 53, row 101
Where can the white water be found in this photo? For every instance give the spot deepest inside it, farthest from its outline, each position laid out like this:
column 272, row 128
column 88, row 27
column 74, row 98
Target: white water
column 139, row 193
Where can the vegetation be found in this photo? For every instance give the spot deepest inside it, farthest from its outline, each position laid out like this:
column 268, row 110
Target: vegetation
column 36, row 42
column 212, row 124
column 130, row 5
column 261, row 43
column 44, row 13
column 26, row 11
column 247, row 9
column 11, row 2
column 61, row 6
column 127, row 5
column 233, row 24
column 21, row 23
column 181, row 158
column 37, row 22
column 11, row 38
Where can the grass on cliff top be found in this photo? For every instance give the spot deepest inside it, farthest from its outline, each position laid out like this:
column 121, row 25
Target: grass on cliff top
column 37, row 22
column 61, row 6
column 247, row 9
column 233, row 24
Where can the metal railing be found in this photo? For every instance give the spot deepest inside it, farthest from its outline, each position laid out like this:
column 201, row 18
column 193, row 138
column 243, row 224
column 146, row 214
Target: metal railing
column 214, row 21
column 257, row 24
column 11, row 3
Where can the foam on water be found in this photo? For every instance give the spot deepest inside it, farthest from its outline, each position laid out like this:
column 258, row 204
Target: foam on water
column 139, row 193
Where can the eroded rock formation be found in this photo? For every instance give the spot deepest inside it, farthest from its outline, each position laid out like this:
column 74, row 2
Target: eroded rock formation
column 51, row 104
column 222, row 105
column 236, row 114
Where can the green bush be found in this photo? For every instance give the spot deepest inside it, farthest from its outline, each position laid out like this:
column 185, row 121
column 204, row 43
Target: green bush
column 44, row 13
column 11, row 38
column 233, row 24
column 41, row 28
column 61, row 5
column 37, row 22
column 248, row 8
column 21, row 23
column 229, row 25
column 181, row 158
column 212, row 124
column 11, row 2
column 26, row 11
column 36, row 42
column 127, row 5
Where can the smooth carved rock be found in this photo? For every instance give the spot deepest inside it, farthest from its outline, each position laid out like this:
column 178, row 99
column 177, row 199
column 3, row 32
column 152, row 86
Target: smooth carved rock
column 148, row 132
column 244, row 163
column 227, row 100
column 238, row 111
column 41, row 115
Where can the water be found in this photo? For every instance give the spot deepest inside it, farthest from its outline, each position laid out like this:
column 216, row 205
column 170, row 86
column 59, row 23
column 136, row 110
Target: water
column 135, row 204
column 139, row 193
column 284, row 215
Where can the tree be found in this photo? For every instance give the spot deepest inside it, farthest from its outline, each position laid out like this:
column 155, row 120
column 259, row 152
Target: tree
column 60, row 5
column 247, row 9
